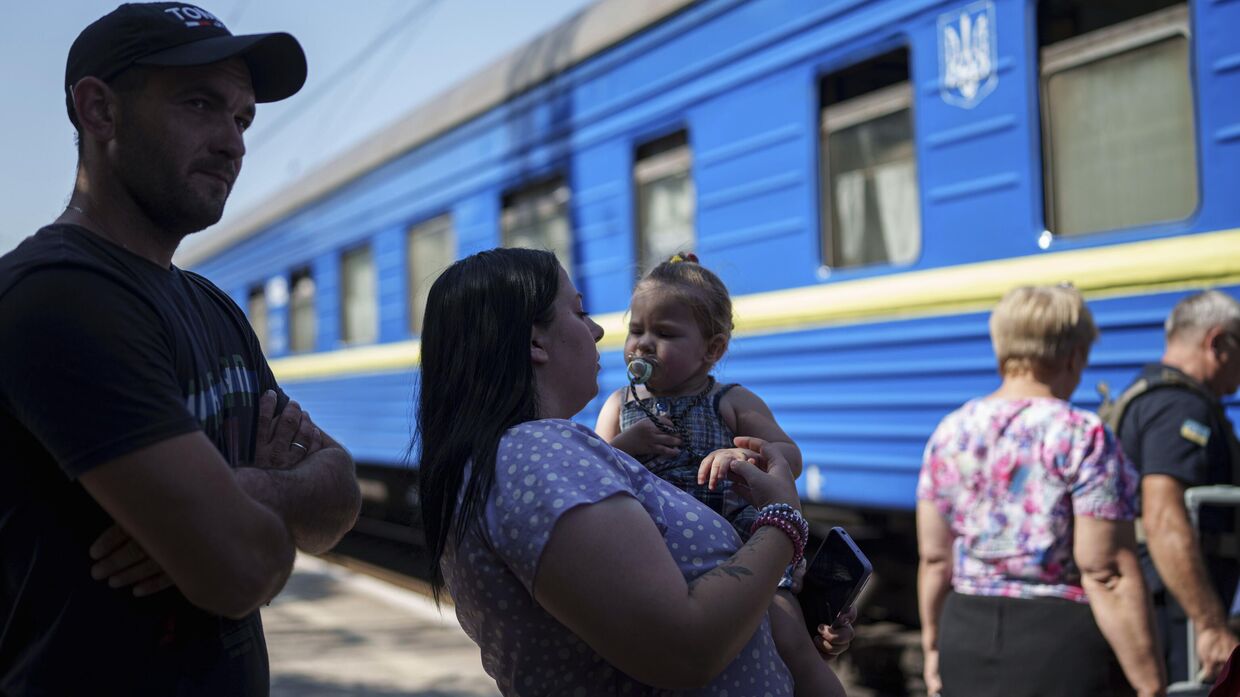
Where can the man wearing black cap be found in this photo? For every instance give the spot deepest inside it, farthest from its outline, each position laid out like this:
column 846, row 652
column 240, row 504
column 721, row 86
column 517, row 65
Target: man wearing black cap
column 135, row 404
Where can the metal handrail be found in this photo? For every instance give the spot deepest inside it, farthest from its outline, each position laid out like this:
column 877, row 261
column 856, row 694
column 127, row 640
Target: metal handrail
column 1194, row 499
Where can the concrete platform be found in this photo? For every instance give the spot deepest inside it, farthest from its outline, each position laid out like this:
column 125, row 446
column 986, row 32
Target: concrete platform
column 335, row 632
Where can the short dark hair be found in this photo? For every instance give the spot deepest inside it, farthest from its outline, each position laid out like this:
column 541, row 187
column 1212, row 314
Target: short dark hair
column 476, row 381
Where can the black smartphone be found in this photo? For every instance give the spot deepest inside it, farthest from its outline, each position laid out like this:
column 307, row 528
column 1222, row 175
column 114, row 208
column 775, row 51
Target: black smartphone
column 834, row 578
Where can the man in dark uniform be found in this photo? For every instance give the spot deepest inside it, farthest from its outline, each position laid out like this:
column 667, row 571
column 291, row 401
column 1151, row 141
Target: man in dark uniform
column 141, row 450
column 1173, row 425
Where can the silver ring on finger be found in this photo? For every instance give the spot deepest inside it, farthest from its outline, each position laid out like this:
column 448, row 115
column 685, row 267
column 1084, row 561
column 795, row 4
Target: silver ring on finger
column 304, row 449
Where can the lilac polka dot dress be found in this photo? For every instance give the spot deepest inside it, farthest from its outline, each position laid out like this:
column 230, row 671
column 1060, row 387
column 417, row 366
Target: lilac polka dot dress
column 542, row 470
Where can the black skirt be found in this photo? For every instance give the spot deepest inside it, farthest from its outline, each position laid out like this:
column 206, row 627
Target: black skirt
column 1018, row 647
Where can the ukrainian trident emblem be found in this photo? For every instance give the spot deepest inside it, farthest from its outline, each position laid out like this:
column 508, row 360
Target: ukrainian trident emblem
column 968, row 54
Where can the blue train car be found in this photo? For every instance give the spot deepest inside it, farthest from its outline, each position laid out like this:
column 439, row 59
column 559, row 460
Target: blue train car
column 868, row 177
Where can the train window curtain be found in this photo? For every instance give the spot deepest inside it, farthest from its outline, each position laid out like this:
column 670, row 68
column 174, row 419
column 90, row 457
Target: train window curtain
column 359, row 297
column 665, row 200
column 431, row 249
column 1119, row 126
column 303, row 323
column 536, row 217
column 256, row 310
column 870, row 183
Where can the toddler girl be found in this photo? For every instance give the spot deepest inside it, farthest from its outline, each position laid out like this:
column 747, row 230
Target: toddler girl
column 687, row 429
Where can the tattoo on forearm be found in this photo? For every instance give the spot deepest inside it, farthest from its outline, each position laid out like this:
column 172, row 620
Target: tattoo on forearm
column 729, row 568
column 735, row 571
column 735, row 567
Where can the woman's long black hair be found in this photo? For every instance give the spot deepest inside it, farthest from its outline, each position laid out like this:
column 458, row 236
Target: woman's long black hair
column 476, row 381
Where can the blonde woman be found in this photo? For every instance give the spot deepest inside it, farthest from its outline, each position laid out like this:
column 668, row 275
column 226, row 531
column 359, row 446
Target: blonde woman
column 1029, row 582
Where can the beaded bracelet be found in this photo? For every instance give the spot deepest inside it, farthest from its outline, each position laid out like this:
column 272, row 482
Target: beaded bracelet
column 790, row 521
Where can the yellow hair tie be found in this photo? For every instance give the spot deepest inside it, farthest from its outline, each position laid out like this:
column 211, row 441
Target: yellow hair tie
column 687, row 256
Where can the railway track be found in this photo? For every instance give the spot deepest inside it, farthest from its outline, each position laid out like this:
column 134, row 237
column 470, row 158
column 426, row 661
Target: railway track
column 387, row 551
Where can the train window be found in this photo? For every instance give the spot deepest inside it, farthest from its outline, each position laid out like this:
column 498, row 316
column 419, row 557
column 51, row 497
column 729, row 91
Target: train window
column 359, row 297
column 665, row 199
column 302, row 322
column 869, row 165
column 256, row 306
column 431, row 248
column 536, row 217
column 1117, row 114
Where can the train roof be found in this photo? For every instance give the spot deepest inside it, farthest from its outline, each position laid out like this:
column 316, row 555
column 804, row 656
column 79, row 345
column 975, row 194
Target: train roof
column 577, row 38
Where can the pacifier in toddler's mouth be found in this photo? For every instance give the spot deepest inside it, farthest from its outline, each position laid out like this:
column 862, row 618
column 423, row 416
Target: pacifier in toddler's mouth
column 640, row 368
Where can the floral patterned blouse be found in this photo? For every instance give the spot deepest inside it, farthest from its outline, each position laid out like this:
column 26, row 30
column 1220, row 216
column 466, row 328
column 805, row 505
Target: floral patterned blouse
column 1009, row 476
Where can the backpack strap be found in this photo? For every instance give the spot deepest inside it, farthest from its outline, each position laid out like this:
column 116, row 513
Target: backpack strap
column 1112, row 412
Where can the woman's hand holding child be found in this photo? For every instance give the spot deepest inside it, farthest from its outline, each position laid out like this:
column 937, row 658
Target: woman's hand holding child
column 767, row 479
column 715, row 466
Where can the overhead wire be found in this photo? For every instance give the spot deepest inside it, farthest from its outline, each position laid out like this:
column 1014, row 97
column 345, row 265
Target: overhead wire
column 306, row 101
column 363, row 88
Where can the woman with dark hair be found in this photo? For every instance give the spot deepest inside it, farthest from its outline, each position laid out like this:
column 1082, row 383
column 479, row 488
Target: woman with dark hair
column 574, row 569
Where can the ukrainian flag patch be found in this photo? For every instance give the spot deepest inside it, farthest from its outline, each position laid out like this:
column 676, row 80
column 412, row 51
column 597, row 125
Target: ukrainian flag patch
column 1195, row 432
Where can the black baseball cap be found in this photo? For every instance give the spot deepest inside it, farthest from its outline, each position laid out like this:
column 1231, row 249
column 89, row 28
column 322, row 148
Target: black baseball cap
column 171, row 34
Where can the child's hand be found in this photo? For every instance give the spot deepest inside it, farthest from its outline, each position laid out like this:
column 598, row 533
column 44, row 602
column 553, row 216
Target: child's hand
column 715, row 466
column 764, row 482
column 645, row 438
column 834, row 640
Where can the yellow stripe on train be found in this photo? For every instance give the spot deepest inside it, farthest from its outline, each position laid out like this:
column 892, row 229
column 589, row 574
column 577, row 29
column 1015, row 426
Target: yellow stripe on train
column 1167, row 264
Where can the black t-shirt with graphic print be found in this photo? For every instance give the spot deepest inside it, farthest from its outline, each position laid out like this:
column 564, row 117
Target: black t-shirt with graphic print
column 103, row 353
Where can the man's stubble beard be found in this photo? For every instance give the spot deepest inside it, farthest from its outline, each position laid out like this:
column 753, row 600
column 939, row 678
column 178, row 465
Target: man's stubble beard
column 164, row 196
